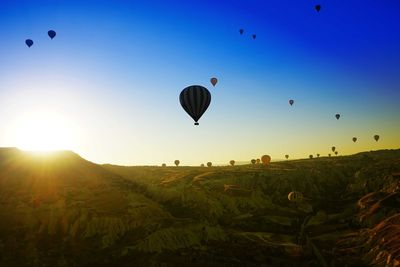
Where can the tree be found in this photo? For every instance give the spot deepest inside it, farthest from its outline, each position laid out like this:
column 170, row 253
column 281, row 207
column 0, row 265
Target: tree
column 164, row 165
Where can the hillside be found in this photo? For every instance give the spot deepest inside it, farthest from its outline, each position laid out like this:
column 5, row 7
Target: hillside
column 61, row 210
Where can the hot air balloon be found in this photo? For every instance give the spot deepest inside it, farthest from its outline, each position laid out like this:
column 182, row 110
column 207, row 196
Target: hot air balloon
column 336, row 152
column 209, row 164
column 202, row 165
column 337, row 116
column 232, row 162
column 195, row 100
column 291, row 101
column 333, row 149
column 376, row 137
column 177, row 163
column 254, row 36
column 317, row 155
column 286, row 156
column 295, row 196
column 253, row 161
column 354, row 139
column 164, row 165
column 29, row 42
column 51, row 34
column 214, row 81
column 311, row 156
column 329, row 155
column 241, row 31
column 265, row 159
column 258, row 161
column 318, row 7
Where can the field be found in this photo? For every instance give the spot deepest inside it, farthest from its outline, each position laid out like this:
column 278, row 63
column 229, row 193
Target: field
column 61, row 210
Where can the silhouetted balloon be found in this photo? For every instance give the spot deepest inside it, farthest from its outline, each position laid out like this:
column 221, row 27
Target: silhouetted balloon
column 291, row 101
column 177, row 162
column 317, row 155
column 214, row 81
column 354, row 139
column 295, row 196
column 29, row 42
column 232, row 162
column 202, row 165
column 286, row 156
column 253, row 161
column 318, row 7
column 265, row 159
column 336, row 152
column 254, row 36
column 311, row 156
column 329, row 155
column 195, row 100
column 241, row 31
column 337, row 116
column 333, row 149
column 209, row 164
column 51, row 34
column 164, row 165
column 376, row 137
column 258, row 161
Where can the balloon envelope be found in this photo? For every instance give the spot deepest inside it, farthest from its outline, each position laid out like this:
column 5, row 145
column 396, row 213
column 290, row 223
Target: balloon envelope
column 254, row 36
column 51, row 34
column 286, row 156
column 241, row 31
column 333, row 149
column 376, row 137
column 291, row 101
column 214, row 81
column 295, row 196
column 176, row 162
column 354, row 139
column 318, row 7
column 265, row 159
column 29, row 42
column 337, row 116
column 195, row 100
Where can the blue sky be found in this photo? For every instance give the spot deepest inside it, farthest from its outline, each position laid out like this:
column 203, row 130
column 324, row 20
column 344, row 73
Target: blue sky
column 112, row 76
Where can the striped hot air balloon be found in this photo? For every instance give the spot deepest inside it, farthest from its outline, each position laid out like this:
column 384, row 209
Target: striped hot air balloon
column 195, row 100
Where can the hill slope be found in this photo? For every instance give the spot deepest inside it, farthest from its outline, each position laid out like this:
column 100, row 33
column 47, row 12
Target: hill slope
column 61, row 210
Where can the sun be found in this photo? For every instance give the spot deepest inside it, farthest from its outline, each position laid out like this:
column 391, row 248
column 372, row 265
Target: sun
column 42, row 131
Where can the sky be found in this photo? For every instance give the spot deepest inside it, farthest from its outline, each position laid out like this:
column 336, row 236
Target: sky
column 107, row 86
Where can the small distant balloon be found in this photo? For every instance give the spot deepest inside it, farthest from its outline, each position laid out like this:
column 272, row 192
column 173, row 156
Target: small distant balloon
column 253, row 161
column 164, row 165
column 295, row 196
column 376, row 137
column 232, row 162
column 318, row 7
column 51, row 34
column 265, row 159
column 337, row 116
column 258, row 161
column 311, row 156
column 354, row 139
column 209, row 164
column 214, row 81
column 177, row 163
column 286, row 156
column 254, row 36
column 336, row 152
column 29, row 42
column 333, row 149
column 241, row 31
column 291, row 101
column 318, row 155
column 329, row 155
column 202, row 165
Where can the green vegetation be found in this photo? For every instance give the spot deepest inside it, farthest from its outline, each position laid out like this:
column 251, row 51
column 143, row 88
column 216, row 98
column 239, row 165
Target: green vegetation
column 61, row 210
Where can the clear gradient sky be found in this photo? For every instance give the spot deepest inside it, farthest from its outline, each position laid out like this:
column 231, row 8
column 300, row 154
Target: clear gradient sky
column 107, row 86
